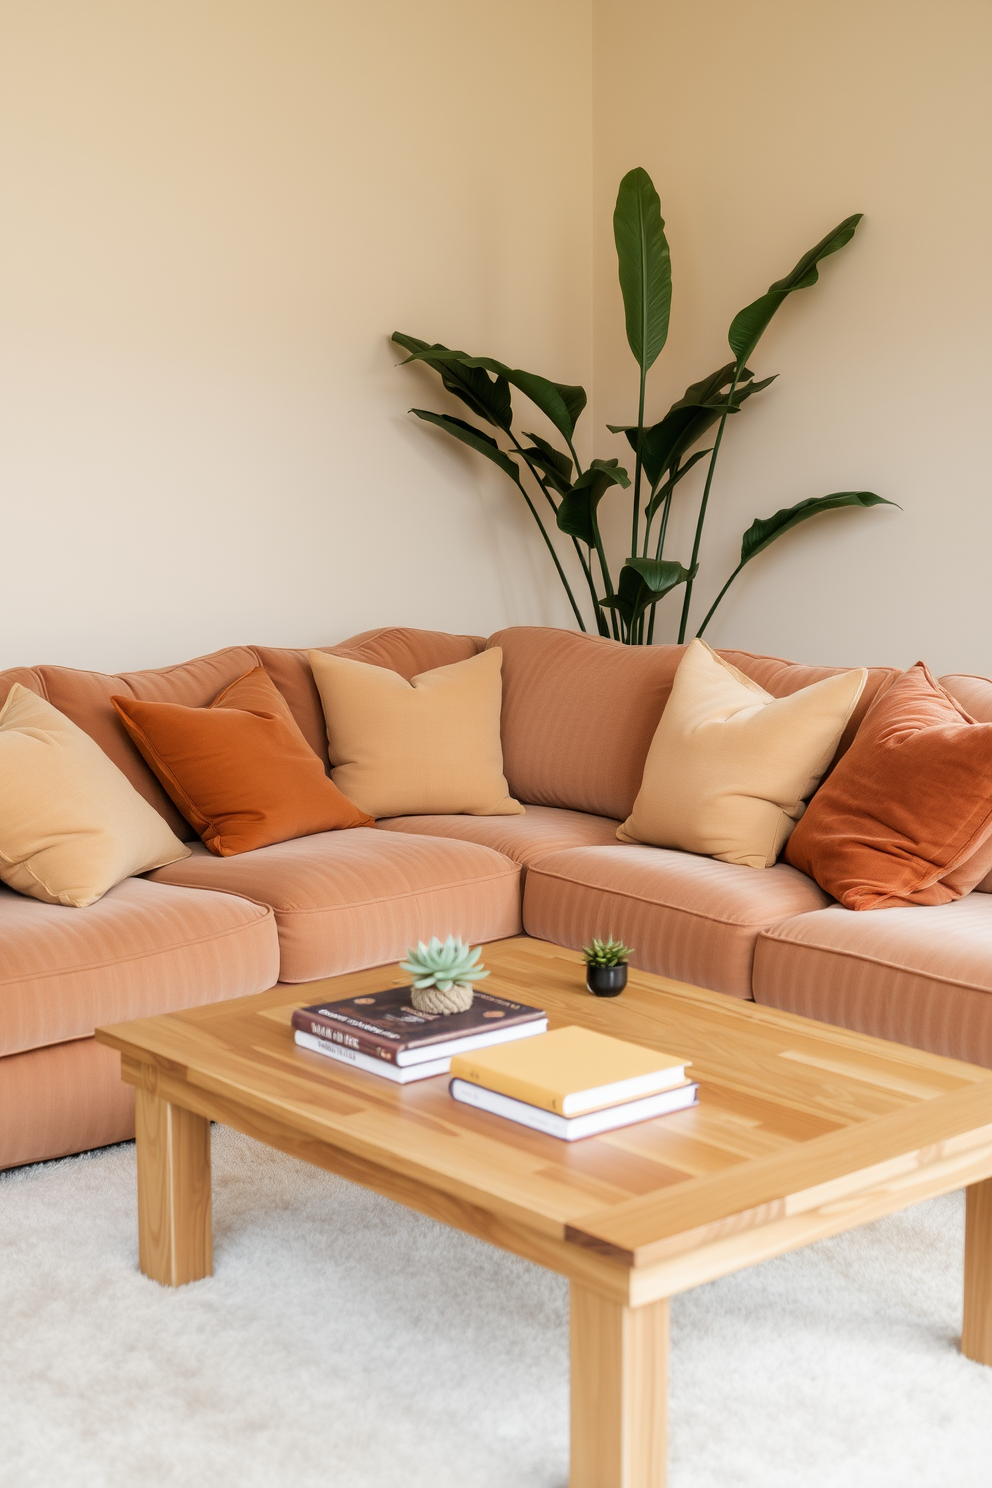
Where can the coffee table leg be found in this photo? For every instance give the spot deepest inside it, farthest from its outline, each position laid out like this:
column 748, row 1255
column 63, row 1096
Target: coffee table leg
column 976, row 1335
column 619, row 1392
column 175, row 1243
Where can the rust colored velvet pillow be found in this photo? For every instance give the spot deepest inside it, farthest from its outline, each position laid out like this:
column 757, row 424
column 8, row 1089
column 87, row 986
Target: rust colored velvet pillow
column 240, row 770
column 906, row 816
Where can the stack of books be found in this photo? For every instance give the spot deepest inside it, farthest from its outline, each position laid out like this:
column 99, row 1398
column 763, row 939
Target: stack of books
column 573, row 1083
column 384, row 1034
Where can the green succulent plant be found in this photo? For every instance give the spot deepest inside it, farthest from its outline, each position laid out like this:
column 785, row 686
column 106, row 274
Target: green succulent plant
column 606, row 953
column 444, row 965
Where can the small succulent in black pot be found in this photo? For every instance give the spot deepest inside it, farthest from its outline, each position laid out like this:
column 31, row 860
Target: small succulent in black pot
column 606, row 967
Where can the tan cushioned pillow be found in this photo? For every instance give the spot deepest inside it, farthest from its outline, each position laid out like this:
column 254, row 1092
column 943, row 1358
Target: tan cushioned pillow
column 730, row 766
column 430, row 745
column 71, row 824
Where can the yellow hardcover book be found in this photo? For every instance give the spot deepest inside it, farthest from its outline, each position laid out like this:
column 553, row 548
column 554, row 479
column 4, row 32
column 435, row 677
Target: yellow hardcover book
column 571, row 1070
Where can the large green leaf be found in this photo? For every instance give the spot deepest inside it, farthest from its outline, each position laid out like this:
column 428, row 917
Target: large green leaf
column 643, row 581
column 765, row 530
column 645, row 265
column 474, row 438
column 488, row 398
column 699, row 408
column 679, row 474
column 577, row 512
column 749, row 325
column 556, row 466
column 560, row 401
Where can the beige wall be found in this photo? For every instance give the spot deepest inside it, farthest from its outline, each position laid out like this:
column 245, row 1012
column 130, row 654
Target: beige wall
column 213, row 215
column 764, row 124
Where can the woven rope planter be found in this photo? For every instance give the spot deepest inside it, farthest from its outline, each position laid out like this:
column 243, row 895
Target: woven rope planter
column 457, row 999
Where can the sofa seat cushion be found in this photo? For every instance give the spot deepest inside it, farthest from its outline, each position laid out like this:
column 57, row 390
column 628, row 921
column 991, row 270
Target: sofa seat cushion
column 687, row 917
column 141, row 949
column 542, row 830
column 919, row 974
column 346, row 900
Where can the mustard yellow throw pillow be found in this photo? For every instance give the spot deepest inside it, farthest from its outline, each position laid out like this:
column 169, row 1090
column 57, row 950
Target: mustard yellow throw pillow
column 71, row 824
column 730, row 767
column 417, row 748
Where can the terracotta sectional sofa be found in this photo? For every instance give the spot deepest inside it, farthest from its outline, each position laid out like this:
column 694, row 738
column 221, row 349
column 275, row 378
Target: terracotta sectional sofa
column 578, row 716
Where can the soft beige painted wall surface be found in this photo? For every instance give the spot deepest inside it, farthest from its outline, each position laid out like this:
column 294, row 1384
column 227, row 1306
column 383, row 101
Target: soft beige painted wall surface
column 763, row 125
column 213, row 215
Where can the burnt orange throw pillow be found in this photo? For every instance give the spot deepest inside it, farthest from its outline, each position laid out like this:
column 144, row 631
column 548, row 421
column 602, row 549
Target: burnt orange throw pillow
column 241, row 770
column 906, row 816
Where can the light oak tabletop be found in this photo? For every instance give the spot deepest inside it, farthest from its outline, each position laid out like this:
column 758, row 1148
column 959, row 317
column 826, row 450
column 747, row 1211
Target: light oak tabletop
column 792, row 1117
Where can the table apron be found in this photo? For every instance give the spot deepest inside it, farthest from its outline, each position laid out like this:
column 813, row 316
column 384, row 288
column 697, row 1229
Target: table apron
column 598, row 1273
column 886, row 1189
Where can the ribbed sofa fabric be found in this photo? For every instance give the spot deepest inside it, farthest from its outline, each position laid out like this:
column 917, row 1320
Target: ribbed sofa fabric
column 580, row 711
column 345, row 900
column 61, row 1099
column 541, row 830
column 141, row 949
column 687, row 917
column 920, row 975
column 85, row 698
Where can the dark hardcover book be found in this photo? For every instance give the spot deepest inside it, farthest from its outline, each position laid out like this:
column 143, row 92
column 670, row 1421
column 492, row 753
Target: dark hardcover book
column 388, row 1026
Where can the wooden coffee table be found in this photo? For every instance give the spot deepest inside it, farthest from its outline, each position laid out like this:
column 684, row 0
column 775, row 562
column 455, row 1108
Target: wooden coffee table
column 802, row 1130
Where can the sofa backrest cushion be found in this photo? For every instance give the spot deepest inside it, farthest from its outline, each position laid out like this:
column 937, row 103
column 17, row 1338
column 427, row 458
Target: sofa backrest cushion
column 579, row 714
column 396, row 647
column 85, row 698
column 782, row 678
column 579, row 711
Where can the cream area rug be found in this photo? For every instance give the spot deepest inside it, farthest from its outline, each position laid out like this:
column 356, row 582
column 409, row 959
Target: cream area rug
column 345, row 1341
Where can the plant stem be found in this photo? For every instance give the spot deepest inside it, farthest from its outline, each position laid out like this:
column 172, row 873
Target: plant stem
column 539, row 478
column 702, row 507
column 607, row 581
column 659, row 550
column 575, row 458
column 557, row 561
column 586, row 567
column 587, row 570
column 709, row 612
column 637, row 467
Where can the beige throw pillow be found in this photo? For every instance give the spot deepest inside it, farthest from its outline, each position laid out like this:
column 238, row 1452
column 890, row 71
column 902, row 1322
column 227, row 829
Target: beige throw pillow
column 71, row 824
column 416, row 748
column 730, row 767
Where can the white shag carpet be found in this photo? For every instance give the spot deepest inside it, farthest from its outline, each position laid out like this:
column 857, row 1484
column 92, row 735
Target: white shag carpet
column 345, row 1341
